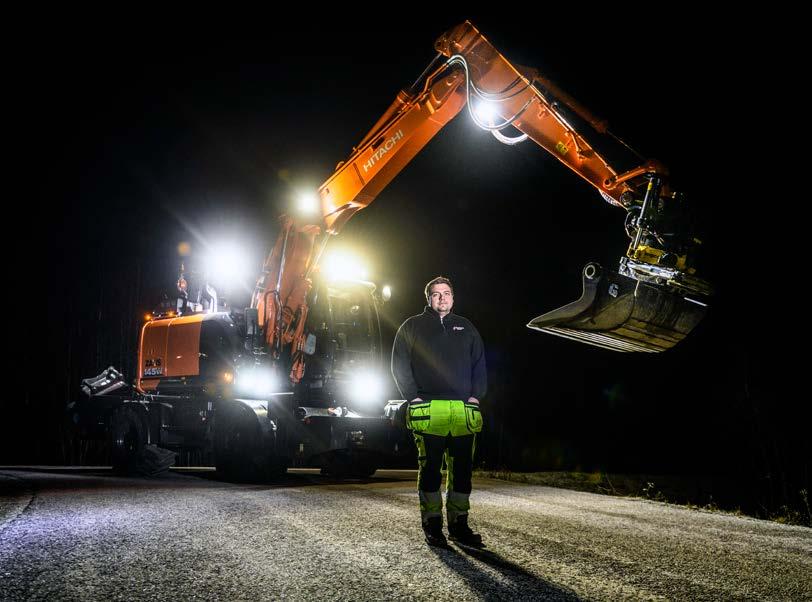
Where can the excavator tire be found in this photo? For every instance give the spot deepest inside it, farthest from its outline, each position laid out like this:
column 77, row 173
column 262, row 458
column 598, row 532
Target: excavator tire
column 342, row 466
column 128, row 437
column 365, row 471
column 237, row 449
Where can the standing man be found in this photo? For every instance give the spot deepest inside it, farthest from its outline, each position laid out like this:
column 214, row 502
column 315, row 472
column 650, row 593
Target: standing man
column 438, row 362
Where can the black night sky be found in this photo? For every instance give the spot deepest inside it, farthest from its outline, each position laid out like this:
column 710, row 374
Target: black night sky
column 134, row 146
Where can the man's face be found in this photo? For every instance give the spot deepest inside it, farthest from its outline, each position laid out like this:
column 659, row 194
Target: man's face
column 441, row 298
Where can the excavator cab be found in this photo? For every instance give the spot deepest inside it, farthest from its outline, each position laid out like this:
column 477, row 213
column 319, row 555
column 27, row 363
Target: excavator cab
column 346, row 366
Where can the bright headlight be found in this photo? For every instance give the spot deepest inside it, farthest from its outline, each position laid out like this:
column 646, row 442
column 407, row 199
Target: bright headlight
column 257, row 383
column 339, row 265
column 366, row 387
column 225, row 264
column 307, row 203
column 485, row 112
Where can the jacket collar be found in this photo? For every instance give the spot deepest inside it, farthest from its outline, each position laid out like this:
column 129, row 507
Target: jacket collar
column 428, row 311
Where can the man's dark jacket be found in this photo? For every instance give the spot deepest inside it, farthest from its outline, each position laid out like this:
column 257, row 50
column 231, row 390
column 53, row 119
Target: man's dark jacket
column 439, row 358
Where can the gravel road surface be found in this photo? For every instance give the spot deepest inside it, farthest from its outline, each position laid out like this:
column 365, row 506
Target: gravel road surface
column 88, row 535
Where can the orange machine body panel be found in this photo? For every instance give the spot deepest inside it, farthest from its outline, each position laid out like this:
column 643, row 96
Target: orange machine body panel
column 170, row 347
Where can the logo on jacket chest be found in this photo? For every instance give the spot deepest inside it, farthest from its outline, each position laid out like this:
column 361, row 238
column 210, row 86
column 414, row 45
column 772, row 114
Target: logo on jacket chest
column 458, row 328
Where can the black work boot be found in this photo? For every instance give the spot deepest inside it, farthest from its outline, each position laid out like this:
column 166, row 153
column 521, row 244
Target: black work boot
column 433, row 529
column 462, row 533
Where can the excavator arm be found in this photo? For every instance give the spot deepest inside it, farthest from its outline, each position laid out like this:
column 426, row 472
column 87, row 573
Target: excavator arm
column 653, row 301
column 473, row 70
column 413, row 119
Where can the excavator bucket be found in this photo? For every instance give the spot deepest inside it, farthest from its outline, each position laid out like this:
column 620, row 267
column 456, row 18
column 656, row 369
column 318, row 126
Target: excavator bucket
column 623, row 314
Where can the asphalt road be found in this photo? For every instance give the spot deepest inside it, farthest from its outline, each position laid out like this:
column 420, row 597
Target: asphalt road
column 87, row 535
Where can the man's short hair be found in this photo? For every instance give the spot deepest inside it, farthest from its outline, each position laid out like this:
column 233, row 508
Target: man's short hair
column 438, row 280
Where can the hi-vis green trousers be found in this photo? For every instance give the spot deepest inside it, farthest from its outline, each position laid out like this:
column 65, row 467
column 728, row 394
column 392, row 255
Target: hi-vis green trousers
column 444, row 428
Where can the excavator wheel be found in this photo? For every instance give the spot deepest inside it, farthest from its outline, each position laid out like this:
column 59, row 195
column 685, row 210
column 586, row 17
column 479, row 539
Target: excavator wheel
column 128, row 438
column 236, row 447
column 343, row 466
column 365, row 472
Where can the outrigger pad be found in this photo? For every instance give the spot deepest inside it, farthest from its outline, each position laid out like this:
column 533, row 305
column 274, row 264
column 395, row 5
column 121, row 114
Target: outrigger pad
column 622, row 314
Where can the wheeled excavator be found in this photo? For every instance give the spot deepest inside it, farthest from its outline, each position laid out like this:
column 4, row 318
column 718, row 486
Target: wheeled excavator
column 303, row 340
